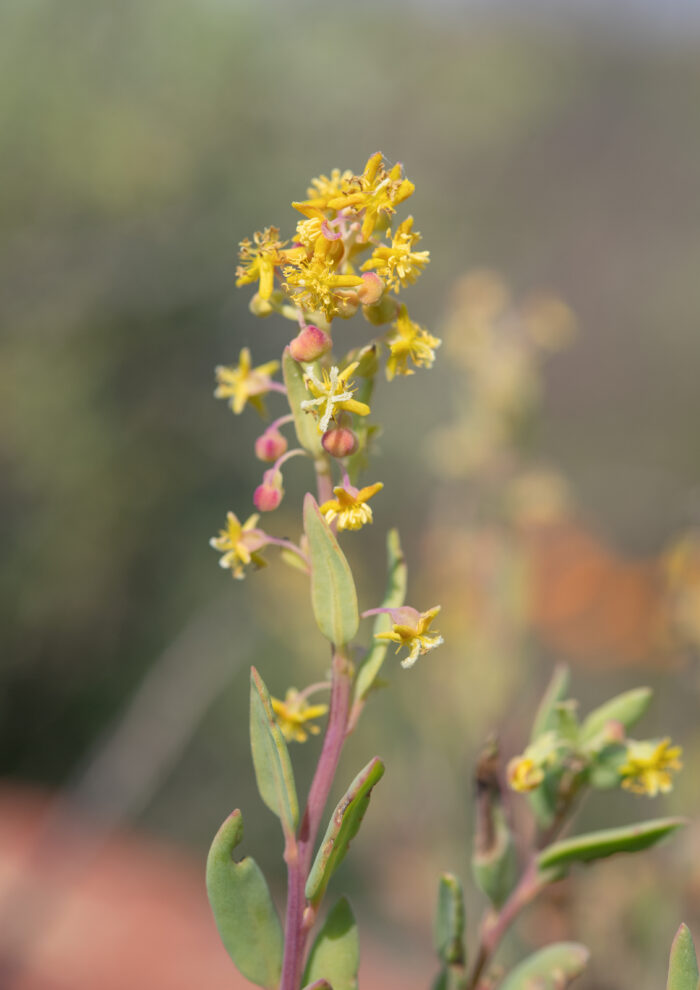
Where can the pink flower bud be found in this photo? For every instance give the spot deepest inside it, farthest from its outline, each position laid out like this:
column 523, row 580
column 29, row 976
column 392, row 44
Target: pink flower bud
column 310, row 344
column 339, row 441
column 270, row 445
column 268, row 496
column 371, row 290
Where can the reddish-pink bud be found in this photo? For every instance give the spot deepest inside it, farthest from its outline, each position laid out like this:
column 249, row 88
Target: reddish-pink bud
column 371, row 290
column 310, row 344
column 270, row 445
column 339, row 442
column 268, row 496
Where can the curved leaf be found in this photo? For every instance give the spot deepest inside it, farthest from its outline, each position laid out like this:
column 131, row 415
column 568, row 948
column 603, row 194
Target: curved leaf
column 333, row 594
column 626, row 708
column 273, row 768
column 243, row 910
column 555, row 693
column 304, row 423
column 449, row 920
column 596, row 845
column 552, row 968
column 683, row 965
column 394, row 597
column 342, row 828
column 335, row 955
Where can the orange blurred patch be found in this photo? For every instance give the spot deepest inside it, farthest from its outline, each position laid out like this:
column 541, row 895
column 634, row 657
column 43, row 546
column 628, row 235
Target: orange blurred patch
column 590, row 603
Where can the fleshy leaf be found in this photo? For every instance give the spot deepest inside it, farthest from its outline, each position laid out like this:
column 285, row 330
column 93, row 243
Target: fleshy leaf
column 304, row 423
column 543, row 800
column 335, row 955
column 243, row 910
column 273, row 768
column 449, row 921
column 319, row 985
column 333, row 594
column 496, row 870
column 552, row 968
column 683, row 965
column 342, row 828
column 596, row 845
column 546, row 717
column 604, row 772
column 626, row 708
column 394, row 597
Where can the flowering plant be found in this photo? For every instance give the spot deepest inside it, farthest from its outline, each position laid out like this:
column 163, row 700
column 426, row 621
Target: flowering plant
column 347, row 257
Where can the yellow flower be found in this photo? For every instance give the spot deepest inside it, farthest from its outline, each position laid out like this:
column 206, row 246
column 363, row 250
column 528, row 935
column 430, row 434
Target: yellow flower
column 648, row 766
column 399, row 264
column 410, row 629
column 261, row 256
column 294, row 713
column 313, row 284
column 239, row 544
column 524, row 774
column 242, row 383
column 349, row 506
column 331, row 394
column 408, row 340
column 376, row 192
column 328, row 187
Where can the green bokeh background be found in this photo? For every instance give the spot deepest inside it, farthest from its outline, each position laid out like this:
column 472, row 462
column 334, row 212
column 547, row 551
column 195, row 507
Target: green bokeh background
column 140, row 142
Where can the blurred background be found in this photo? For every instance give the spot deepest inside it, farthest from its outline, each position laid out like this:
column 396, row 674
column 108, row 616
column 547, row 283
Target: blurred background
column 554, row 144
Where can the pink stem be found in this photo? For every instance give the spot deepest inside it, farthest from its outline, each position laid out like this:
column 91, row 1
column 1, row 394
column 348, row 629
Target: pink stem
column 276, row 423
column 297, row 452
column 300, row 856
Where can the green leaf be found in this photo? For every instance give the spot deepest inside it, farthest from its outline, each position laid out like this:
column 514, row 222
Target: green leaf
column 543, row 801
column 333, row 594
column 683, row 965
column 626, row 708
column 243, row 910
column 449, row 920
column 297, row 392
column 552, row 968
column 342, row 829
column 394, row 597
column 273, row 768
column 496, row 869
column 319, row 985
column 335, row 955
column 604, row 772
column 597, row 845
column 546, row 717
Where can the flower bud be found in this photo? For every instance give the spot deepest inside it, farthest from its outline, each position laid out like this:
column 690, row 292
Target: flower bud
column 384, row 311
column 310, row 344
column 270, row 445
column 268, row 495
column 371, row 290
column 340, row 441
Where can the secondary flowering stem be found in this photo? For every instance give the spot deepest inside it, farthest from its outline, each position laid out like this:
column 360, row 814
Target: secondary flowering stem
column 495, row 925
column 300, row 856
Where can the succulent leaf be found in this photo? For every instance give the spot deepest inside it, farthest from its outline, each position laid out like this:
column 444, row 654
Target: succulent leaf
column 596, row 845
column 333, row 594
column 273, row 768
column 335, row 954
column 342, row 828
column 394, row 597
column 552, row 968
column 243, row 910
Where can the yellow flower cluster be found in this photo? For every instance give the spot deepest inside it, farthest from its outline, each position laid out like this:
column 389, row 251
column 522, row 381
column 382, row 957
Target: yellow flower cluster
column 320, row 272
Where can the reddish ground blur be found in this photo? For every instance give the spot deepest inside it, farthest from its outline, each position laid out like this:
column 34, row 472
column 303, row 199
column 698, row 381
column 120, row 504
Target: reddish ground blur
column 91, row 912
